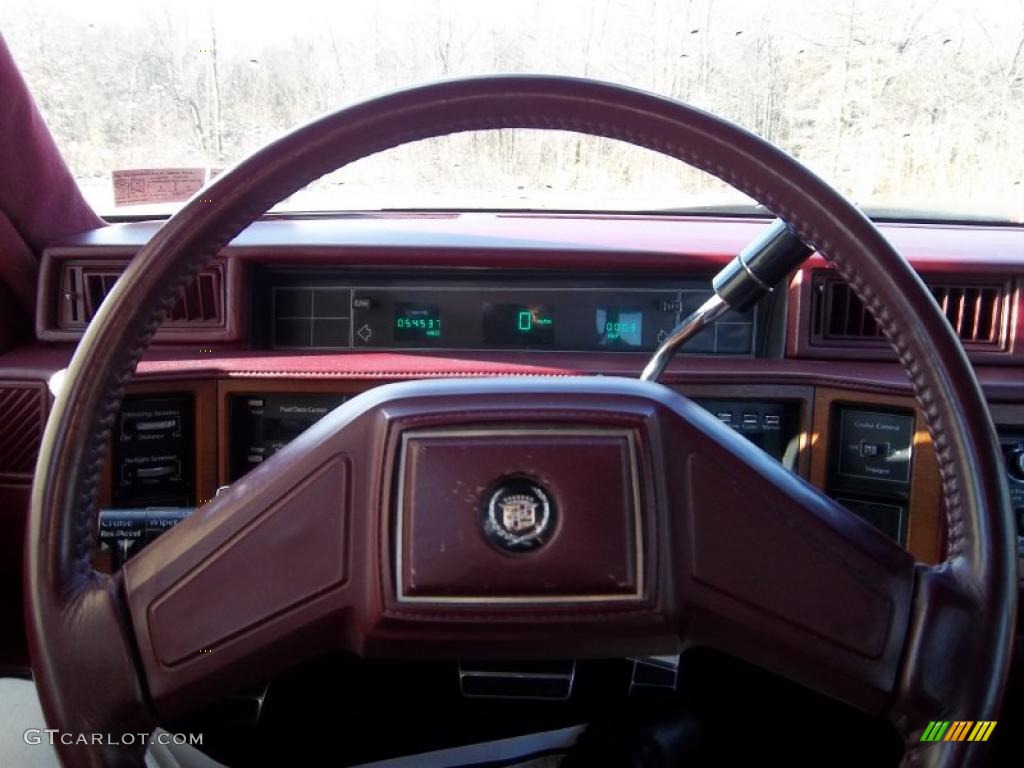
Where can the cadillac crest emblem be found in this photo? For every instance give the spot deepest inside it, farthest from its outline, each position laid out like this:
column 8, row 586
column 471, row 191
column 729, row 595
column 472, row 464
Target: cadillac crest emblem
column 517, row 515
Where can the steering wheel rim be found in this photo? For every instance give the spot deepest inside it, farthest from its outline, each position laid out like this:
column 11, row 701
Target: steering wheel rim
column 88, row 651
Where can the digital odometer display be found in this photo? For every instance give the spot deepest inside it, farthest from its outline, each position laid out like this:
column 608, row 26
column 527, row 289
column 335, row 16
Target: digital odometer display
column 414, row 322
column 517, row 325
column 620, row 326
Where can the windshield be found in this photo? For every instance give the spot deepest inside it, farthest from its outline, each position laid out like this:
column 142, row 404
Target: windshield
column 908, row 106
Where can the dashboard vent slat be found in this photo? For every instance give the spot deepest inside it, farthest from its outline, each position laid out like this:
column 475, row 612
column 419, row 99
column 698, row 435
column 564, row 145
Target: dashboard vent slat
column 975, row 310
column 847, row 315
column 97, row 286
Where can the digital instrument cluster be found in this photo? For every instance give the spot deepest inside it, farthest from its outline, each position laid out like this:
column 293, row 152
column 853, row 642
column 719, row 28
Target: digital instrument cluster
column 334, row 310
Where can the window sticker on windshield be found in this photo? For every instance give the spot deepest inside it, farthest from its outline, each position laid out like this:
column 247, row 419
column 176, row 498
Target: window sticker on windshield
column 156, row 185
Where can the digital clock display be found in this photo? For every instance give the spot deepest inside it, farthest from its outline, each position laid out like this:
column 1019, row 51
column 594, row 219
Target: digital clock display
column 415, row 322
column 620, row 326
column 515, row 325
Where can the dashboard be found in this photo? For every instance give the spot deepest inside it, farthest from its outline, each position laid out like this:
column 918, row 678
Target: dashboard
column 295, row 317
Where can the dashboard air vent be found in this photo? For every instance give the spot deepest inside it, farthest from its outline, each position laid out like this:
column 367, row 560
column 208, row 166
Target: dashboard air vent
column 23, row 413
column 85, row 286
column 975, row 310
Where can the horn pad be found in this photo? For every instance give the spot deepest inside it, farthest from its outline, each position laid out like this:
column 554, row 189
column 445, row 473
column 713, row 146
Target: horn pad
column 526, row 514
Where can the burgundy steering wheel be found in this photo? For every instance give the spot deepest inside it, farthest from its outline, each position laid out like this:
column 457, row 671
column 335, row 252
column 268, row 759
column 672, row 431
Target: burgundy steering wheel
column 366, row 532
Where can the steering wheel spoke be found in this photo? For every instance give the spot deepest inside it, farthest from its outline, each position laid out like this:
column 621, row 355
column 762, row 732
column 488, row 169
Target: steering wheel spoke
column 777, row 573
column 252, row 580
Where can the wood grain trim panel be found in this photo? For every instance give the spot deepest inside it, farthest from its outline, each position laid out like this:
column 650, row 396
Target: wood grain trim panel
column 925, row 519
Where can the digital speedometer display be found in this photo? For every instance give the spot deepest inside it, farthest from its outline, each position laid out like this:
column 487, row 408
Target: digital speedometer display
column 517, row 325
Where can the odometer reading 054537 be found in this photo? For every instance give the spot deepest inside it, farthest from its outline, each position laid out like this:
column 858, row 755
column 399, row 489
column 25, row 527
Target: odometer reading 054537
column 417, row 321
